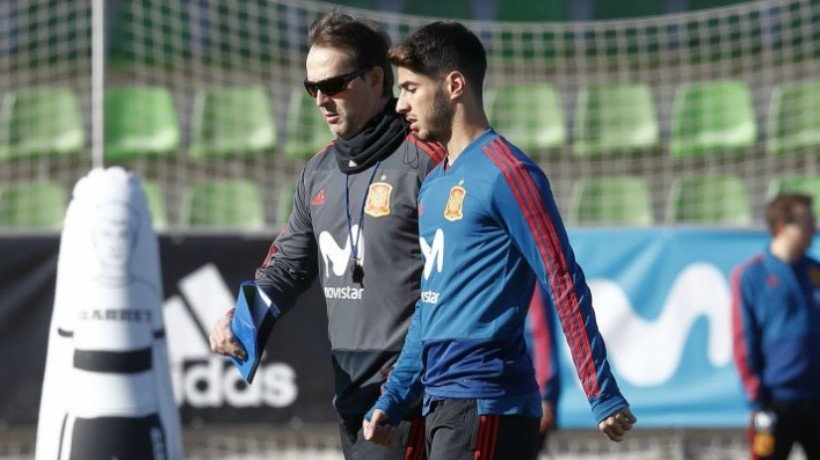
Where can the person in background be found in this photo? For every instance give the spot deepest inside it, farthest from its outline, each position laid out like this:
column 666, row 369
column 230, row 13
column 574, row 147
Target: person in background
column 776, row 333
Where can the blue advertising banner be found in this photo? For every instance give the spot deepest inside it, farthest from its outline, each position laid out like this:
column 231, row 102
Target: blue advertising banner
column 663, row 304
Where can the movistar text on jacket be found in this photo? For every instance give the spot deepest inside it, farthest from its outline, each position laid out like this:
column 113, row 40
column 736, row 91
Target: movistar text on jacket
column 343, row 292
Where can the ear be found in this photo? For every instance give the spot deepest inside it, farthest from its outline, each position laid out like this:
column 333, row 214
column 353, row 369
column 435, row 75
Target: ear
column 456, row 84
column 377, row 77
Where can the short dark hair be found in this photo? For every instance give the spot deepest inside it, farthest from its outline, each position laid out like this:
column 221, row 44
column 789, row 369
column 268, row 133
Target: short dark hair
column 365, row 39
column 442, row 47
column 784, row 208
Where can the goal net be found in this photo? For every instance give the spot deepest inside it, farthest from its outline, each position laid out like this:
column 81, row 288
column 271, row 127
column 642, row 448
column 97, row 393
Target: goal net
column 688, row 118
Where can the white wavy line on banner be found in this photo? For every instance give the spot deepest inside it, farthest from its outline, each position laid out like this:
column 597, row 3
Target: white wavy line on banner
column 647, row 353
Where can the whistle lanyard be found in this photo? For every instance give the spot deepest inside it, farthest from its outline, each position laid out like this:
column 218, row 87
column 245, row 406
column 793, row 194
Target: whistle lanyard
column 354, row 239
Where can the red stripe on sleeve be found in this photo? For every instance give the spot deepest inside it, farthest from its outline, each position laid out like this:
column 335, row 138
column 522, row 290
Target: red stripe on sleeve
column 572, row 336
column 541, row 227
column 751, row 383
column 541, row 339
column 564, row 274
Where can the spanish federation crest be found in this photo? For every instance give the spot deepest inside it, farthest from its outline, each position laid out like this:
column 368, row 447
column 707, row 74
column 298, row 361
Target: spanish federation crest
column 453, row 211
column 378, row 199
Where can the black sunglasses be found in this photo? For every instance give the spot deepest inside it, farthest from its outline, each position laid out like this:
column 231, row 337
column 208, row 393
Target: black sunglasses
column 332, row 85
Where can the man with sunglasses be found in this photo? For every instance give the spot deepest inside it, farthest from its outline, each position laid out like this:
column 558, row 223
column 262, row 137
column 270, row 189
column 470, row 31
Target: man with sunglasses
column 354, row 224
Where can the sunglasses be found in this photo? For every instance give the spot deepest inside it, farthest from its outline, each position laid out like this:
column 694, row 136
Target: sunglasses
column 333, row 85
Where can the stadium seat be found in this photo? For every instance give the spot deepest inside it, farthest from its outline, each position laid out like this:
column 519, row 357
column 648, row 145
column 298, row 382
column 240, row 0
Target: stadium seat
column 529, row 11
column 223, row 204
column 794, row 118
column 607, row 10
column 307, row 130
column 156, row 204
column 39, row 122
column 712, row 117
column 285, row 202
column 140, row 122
column 614, row 118
column 528, row 114
column 451, row 9
column 809, row 185
column 611, row 200
column 37, row 205
column 709, row 200
column 231, row 121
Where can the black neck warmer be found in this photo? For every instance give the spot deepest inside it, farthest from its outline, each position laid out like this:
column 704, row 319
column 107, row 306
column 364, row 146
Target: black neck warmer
column 381, row 136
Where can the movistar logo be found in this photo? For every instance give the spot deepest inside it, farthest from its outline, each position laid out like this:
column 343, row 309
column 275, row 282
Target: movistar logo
column 433, row 254
column 336, row 257
column 660, row 342
column 343, row 292
column 202, row 379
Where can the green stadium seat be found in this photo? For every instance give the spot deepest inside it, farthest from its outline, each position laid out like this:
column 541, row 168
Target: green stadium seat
column 223, row 204
column 529, row 11
column 615, row 118
column 39, row 122
column 39, row 205
column 140, row 122
column 709, row 200
column 611, row 200
column 528, row 114
column 794, row 118
column 307, row 129
column 156, row 204
column 451, row 9
column 712, row 117
column 285, row 203
column 808, row 185
column 233, row 120
column 604, row 10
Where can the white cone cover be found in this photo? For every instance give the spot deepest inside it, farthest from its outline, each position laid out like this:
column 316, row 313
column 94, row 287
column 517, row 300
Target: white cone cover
column 107, row 354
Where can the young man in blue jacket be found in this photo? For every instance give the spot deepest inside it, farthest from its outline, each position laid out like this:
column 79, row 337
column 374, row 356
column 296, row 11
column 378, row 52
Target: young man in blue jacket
column 776, row 329
column 489, row 228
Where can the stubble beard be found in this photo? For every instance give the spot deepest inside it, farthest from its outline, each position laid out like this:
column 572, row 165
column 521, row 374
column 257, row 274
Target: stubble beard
column 441, row 119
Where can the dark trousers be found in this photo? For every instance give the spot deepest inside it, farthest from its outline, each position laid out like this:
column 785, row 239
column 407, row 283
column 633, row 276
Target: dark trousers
column 454, row 430
column 796, row 422
column 410, row 443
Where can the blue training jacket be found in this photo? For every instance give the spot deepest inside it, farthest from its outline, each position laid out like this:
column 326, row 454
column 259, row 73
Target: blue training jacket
column 776, row 328
column 489, row 227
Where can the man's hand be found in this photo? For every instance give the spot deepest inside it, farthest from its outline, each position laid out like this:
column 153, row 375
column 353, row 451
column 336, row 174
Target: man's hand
column 378, row 429
column 222, row 340
column 616, row 425
column 547, row 418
